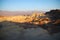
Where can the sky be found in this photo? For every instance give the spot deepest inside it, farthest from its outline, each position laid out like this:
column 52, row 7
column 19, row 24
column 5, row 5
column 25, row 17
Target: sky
column 18, row 5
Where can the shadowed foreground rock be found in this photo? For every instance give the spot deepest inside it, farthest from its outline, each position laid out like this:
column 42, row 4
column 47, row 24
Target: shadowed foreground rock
column 15, row 31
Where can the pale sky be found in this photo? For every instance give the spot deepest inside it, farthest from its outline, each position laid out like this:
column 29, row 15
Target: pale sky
column 17, row 5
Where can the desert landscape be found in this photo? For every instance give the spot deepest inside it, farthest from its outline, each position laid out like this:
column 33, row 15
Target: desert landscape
column 29, row 19
column 27, row 27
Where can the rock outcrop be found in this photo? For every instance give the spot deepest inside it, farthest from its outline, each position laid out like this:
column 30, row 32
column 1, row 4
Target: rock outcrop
column 35, row 18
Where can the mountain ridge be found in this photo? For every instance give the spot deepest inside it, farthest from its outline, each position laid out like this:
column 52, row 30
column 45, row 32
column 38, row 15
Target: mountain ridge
column 14, row 13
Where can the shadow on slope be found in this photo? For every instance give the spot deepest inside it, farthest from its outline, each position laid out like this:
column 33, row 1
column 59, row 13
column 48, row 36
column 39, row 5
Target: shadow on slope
column 24, row 31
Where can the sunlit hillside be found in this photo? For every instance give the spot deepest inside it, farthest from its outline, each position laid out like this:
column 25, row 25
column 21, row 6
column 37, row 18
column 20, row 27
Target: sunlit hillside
column 34, row 18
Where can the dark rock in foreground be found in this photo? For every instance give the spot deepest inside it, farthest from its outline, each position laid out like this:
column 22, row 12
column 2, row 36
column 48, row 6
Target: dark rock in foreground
column 16, row 31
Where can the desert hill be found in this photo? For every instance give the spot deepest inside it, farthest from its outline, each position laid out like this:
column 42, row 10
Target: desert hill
column 34, row 17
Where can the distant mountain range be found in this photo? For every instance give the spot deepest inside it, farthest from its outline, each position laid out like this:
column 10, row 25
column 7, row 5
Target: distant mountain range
column 14, row 13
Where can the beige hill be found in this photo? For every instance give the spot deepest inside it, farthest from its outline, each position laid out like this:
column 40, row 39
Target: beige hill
column 34, row 18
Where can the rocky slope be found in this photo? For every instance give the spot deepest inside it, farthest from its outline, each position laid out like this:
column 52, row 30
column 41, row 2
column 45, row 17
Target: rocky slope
column 34, row 18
